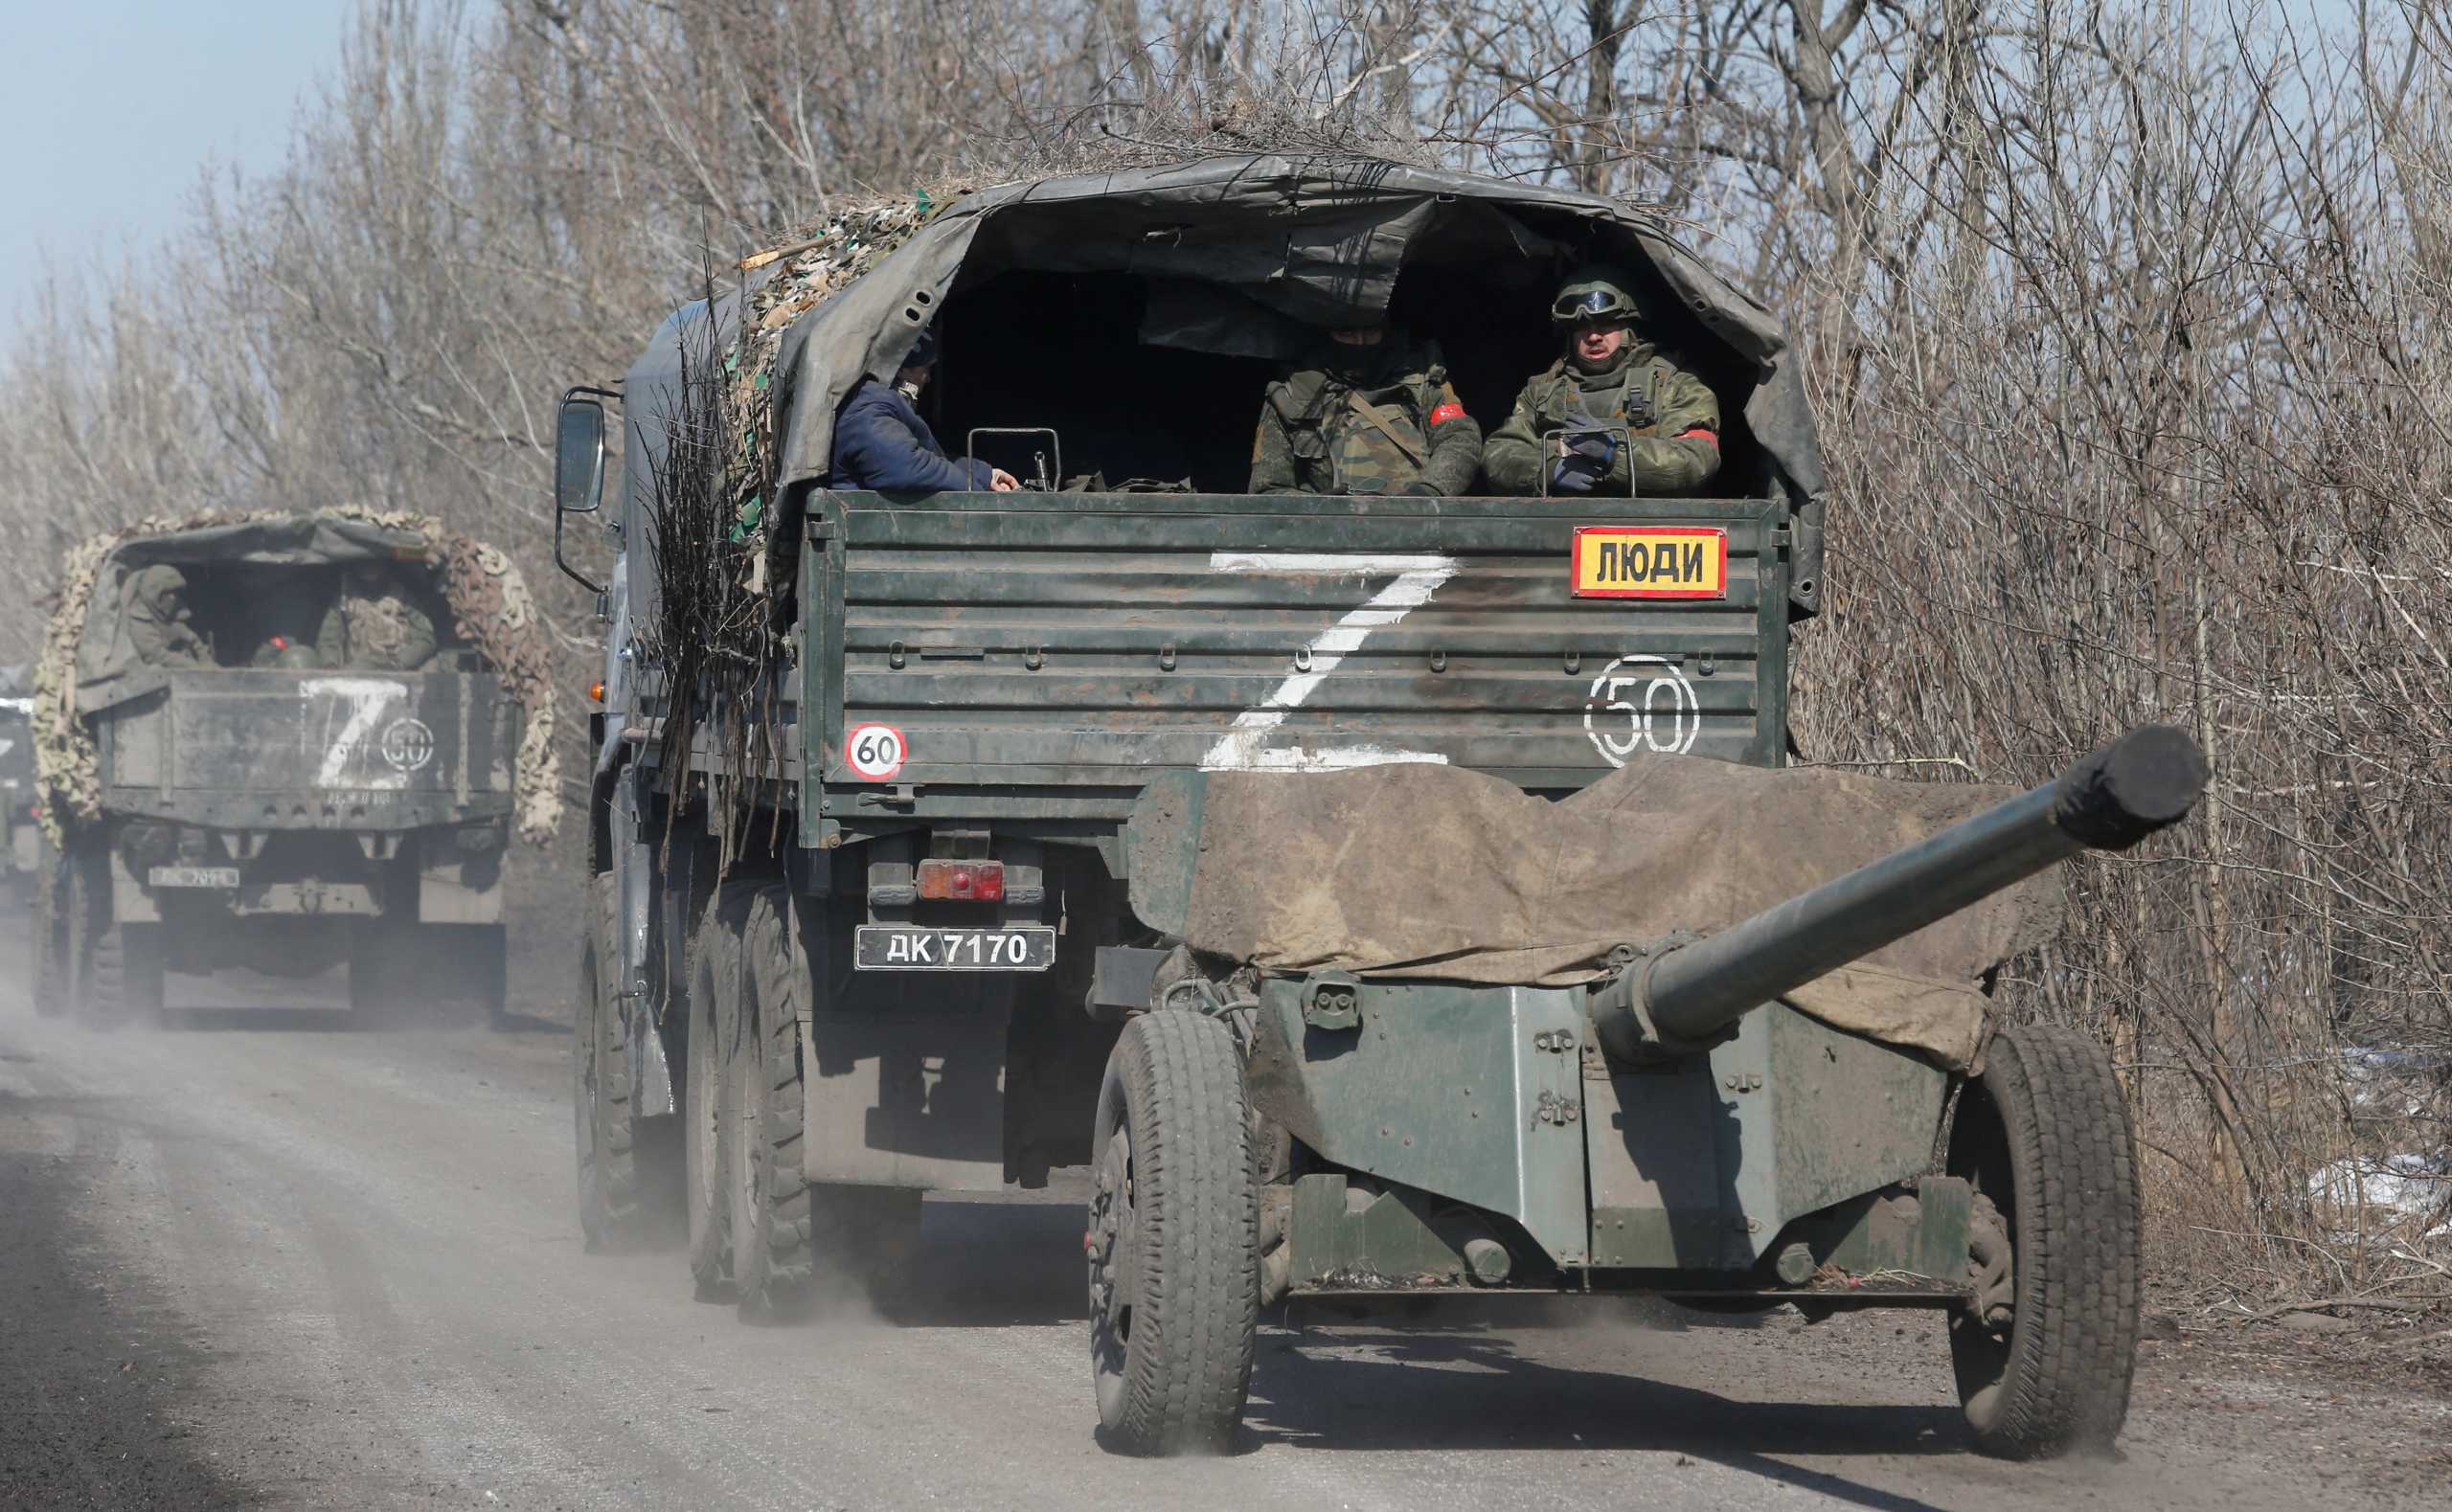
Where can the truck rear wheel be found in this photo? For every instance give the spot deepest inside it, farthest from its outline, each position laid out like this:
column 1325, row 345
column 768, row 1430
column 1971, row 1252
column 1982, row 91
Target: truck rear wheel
column 51, row 974
column 610, row 1212
column 1173, row 1239
column 2045, row 1137
column 715, row 1014
column 774, row 1269
column 127, row 979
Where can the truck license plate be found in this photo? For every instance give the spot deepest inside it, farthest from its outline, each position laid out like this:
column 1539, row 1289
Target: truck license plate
column 904, row 947
column 193, row 876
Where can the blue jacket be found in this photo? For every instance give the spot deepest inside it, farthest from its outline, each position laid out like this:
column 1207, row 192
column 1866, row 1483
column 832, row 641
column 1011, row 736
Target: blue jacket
column 881, row 442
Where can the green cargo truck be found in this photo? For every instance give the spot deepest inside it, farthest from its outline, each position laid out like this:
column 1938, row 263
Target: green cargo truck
column 227, row 798
column 921, row 823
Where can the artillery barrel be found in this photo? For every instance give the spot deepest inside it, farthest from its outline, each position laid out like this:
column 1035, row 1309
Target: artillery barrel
column 2109, row 800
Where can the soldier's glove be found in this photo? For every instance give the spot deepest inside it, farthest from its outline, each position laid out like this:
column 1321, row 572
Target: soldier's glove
column 1424, row 490
column 1583, row 462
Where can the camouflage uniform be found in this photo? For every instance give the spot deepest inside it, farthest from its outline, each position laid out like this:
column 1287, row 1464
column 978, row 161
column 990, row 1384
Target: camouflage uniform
column 1672, row 417
column 1314, row 437
column 374, row 624
column 157, row 619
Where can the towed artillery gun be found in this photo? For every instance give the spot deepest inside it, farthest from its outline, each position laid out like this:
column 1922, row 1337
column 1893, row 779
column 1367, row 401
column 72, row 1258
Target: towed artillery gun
column 1320, row 871
column 221, row 792
column 1673, row 1128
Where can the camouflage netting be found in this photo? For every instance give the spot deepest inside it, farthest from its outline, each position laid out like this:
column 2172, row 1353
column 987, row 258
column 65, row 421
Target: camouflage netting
column 818, row 263
column 491, row 608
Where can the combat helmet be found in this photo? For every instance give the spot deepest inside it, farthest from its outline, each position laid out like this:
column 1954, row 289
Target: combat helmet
column 1594, row 291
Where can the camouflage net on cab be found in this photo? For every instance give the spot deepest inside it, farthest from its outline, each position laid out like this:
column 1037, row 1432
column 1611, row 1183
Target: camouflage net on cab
column 490, row 609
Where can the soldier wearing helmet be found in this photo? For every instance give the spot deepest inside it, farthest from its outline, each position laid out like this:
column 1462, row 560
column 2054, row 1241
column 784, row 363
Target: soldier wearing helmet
column 1368, row 415
column 1616, row 414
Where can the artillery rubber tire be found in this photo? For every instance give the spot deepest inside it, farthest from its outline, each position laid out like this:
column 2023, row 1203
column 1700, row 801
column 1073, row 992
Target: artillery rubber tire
column 774, row 1273
column 2045, row 1136
column 610, row 1212
column 1173, row 1239
column 714, row 1015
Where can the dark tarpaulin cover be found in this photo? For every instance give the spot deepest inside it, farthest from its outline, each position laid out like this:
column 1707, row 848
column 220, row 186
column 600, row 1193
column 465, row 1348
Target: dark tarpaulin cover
column 1227, row 243
column 1429, row 871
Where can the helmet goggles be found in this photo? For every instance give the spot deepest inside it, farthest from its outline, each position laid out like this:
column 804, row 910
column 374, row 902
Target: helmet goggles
column 1588, row 306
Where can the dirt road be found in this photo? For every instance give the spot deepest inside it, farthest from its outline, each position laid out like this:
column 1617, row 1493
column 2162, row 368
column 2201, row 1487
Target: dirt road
column 291, row 1263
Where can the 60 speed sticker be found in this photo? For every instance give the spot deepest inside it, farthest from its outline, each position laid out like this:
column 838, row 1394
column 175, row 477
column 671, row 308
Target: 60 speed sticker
column 873, row 751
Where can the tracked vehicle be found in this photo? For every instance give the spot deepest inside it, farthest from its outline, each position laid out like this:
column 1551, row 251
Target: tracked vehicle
column 1359, row 886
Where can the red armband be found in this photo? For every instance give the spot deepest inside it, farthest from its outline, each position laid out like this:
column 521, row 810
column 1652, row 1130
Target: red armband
column 1449, row 411
column 1703, row 430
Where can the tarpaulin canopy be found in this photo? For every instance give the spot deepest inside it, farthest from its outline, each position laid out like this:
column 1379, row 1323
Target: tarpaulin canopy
column 1242, row 255
column 1437, row 872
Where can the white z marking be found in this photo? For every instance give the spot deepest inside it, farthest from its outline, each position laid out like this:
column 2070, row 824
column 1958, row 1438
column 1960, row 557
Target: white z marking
column 1418, row 577
column 367, row 698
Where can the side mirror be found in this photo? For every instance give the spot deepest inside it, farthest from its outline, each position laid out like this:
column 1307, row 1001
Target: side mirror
column 579, row 457
column 578, row 469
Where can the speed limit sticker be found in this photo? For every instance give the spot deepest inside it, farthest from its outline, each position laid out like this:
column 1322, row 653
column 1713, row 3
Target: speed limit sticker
column 875, row 752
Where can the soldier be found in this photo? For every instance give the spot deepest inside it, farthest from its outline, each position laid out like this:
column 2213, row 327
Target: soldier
column 375, row 624
column 1373, row 416
column 1608, row 378
column 157, row 619
column 880, row 441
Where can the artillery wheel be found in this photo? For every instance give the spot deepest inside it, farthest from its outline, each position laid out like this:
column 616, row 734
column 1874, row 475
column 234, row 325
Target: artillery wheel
column 1173, row 1239
column 714, row 977
column 774, row 1270
column 610, row 1211
column 2044, row 1357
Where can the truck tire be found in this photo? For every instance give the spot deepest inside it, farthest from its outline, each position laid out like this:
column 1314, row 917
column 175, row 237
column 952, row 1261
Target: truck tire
column 774, row 1269
column 610, row 1211
column 714, row 977
column 1173, row 1239
column 50, row 940
column 487, row 970
column 2045, row 1137
column 89, row 911
column 126, row 982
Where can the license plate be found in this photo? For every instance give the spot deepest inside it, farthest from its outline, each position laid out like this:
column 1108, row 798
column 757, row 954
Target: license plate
column 904, row 947
column 193, row 876
column 1650, row 561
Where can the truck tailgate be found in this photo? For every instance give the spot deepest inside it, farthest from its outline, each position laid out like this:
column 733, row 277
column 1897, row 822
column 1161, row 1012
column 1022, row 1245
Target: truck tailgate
column 273, row 748
column 1040, row 654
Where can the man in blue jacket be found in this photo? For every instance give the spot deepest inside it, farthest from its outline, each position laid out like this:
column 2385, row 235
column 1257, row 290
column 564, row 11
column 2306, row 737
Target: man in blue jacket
column 880, row 441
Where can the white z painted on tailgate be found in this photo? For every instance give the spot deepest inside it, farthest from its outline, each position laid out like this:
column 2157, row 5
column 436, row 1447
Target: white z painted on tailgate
column 1240, row 748
column 366, row 698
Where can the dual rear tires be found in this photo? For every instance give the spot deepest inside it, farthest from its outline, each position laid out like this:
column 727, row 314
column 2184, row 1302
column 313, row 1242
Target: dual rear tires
column 761, row 1234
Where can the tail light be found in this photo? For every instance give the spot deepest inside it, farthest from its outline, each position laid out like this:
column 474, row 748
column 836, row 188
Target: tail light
column 963, row 881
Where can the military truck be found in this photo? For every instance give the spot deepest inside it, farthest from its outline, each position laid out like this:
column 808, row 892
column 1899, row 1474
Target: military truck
column 270, row 746
column 1358, row 885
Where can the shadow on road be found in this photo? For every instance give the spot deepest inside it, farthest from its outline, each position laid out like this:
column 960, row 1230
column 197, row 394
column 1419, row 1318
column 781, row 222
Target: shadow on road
column 997, row 1264
column 1443, row 1388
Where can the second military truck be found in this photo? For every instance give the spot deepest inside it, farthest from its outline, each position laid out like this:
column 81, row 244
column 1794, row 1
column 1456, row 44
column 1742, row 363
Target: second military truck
column 266, row 747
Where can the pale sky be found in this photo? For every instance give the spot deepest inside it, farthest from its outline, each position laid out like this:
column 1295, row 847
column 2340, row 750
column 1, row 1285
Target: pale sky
column 110, row 109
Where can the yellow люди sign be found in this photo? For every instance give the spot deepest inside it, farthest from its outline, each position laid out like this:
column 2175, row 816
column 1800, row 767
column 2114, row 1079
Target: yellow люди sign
column 1650, row 561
